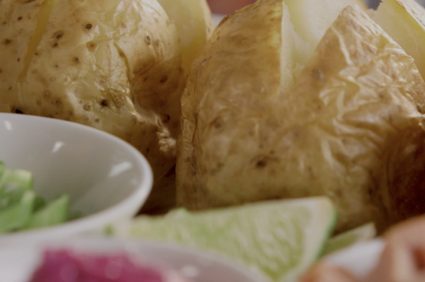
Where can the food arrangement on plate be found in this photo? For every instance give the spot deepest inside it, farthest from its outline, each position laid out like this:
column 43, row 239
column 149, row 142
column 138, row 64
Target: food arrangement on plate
column 292, row 130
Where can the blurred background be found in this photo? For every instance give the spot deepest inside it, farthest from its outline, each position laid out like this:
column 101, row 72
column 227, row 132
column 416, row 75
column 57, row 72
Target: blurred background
column 228, row 6
column 375, row 3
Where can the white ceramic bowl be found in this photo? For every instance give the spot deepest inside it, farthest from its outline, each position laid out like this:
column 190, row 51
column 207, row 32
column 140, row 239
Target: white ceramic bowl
column 106, row 178
column 18, row 263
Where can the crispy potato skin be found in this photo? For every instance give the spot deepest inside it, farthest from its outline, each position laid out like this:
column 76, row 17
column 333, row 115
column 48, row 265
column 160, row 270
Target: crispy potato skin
column 211, row 101
column 115, row 66
column 243, row 140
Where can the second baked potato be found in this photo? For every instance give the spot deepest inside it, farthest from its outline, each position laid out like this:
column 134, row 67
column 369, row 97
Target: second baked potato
column 250, row 135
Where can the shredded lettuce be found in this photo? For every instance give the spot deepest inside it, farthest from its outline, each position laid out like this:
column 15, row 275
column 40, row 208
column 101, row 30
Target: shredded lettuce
column 22, row 208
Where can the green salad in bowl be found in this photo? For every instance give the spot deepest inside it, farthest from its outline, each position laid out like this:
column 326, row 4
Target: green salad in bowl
column 22, row 208
column 60, row 179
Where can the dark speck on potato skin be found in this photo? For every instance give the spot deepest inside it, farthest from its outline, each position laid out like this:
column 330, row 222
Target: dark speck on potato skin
column 148, row 40
column 104, row 103
column 261, row 163
column 87, row 107
column 58, row 34
column 163, row 79
column 166, row 118
column 91, row 46
column 217, row 123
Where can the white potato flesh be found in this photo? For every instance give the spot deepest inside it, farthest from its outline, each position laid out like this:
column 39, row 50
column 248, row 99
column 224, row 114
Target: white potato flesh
column 404, row 20
column 193, row 21
column 311, row 18
column 303, row 25
column 289, row 61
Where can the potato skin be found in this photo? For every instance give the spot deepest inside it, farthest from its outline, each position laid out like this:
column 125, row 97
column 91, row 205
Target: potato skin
column 13, row 43
column 115, row 66
column 212, row 99
column 243, row 140
column 403, row 174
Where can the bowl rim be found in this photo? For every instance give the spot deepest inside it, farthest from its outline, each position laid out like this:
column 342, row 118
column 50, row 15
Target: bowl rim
column 132, row 246
column 99, row 219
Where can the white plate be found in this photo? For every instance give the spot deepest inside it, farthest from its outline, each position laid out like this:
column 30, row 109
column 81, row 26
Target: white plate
column 17, row 263
column 359, row 259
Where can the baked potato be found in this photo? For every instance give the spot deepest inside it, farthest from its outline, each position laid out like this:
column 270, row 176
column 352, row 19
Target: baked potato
column 252, row 132
column 118, row 66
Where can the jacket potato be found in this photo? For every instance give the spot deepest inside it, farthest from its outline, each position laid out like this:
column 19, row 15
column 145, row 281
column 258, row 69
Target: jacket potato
column 119, row 66
column 254, row 127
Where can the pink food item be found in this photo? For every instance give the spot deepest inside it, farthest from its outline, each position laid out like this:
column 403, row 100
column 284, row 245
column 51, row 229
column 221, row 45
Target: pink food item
column 68, row 266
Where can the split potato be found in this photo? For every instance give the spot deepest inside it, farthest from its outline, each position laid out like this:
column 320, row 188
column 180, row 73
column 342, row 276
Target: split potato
column 118, row 66
column 250, row 132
